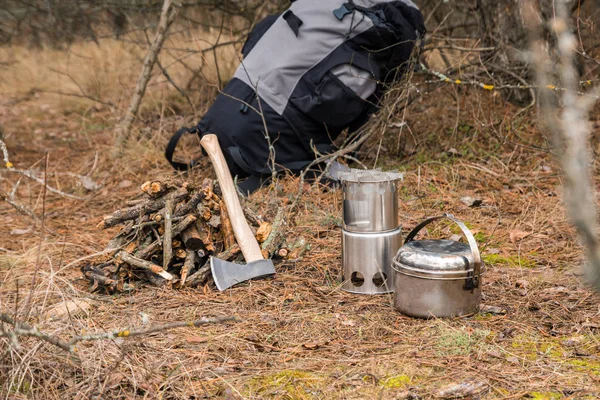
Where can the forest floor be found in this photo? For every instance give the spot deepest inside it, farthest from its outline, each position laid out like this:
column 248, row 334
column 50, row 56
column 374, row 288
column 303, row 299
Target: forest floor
column 299, row 336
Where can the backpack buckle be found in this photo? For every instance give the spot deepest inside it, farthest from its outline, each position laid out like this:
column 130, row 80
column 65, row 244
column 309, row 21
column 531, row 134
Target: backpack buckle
column 344, row 10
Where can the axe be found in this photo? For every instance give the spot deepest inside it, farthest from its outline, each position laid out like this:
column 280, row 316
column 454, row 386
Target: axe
column 227, row 274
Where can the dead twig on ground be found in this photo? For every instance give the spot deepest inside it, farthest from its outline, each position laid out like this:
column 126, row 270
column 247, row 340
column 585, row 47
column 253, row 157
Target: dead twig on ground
column 29, row 174
column 25, row 330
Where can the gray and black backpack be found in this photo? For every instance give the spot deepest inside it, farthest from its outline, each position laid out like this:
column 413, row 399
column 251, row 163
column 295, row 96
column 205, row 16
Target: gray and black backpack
column 318, row 68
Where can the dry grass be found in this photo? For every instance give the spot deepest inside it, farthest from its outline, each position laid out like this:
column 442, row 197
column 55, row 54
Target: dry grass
column 107, row 72
column 300, row 336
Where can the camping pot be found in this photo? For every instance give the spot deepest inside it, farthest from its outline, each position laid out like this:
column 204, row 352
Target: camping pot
column 370, row 202
column 438, row 278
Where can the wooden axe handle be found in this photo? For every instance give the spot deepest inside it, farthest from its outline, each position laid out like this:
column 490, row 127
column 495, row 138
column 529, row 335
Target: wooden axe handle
column 243, row 234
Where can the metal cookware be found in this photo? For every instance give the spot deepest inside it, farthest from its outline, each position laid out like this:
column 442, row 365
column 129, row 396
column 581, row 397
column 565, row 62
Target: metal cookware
column 438, row 278
column 367, row 260
column 370, row 201
column 371, row 233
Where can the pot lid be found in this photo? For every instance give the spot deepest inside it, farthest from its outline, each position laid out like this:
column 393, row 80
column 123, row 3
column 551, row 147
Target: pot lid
column 435, row 258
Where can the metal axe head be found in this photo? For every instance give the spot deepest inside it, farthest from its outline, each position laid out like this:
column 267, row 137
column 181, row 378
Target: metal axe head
column 227, row 274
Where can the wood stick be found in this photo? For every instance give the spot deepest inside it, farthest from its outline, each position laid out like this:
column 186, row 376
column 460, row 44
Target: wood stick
column 156, row 280
column 205, row 235
column 192, row 238
column 158, row 188
column 203, row 211
column 177, row 229
column 199, row 277
column 93, row 277
column 273, row 241
column 208, row 186
column 155, row 223
column 132, row 332
column 226, row 228
column 229, row 254
column 168, row 237
column 298, row 249
column 131, row 203
column 134, row 212
column 252, row 217
column 146, row 265
column 190, row 260
column 191, row 205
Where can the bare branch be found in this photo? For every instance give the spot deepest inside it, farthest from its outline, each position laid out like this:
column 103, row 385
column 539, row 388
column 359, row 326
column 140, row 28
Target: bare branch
column 24, row 330
column 166, row 19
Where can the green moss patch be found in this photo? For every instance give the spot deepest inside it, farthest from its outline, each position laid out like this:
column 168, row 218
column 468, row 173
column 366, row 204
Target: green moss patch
column 584, row 365
column 545, row 395
column 509, row 261
column 396, row 382
column 291, row 384
column 531, row 348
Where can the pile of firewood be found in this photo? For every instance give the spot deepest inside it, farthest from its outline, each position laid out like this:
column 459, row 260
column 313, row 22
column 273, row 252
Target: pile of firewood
column 167, row 237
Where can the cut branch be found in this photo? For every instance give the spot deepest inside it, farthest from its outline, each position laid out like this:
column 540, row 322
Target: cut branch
column 134, row 212
column 146, row 265
column 168, row 238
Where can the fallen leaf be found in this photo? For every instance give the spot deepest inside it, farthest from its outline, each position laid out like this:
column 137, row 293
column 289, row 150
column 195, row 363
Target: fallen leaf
column 73, row 307
column 314, row 346
column 495, row 310
column 89, row 184
column 453, row 152
column 471, row 201
column 19, row 232
column 263, row 232
column 556, row 289
column 196, row 339
column 573, row 341
column 469, row 388
column 517, row 235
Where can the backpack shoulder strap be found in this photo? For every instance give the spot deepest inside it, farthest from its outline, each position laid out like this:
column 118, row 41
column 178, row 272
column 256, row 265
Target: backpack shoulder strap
column 172, row 145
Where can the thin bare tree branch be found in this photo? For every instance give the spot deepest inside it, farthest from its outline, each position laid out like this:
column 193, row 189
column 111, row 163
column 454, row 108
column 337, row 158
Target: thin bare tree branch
column 167, row 16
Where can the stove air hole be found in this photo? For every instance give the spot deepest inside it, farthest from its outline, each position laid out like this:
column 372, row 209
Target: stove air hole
column 357, row 279
column 379, row 279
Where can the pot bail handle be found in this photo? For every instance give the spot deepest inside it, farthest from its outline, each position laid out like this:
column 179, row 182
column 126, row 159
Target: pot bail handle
column 466, row 232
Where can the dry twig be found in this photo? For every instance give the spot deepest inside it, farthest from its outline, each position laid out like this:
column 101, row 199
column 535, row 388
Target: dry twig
column 167, row 17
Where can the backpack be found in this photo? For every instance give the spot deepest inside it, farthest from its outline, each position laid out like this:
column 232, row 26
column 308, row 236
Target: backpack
column 307, row 74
